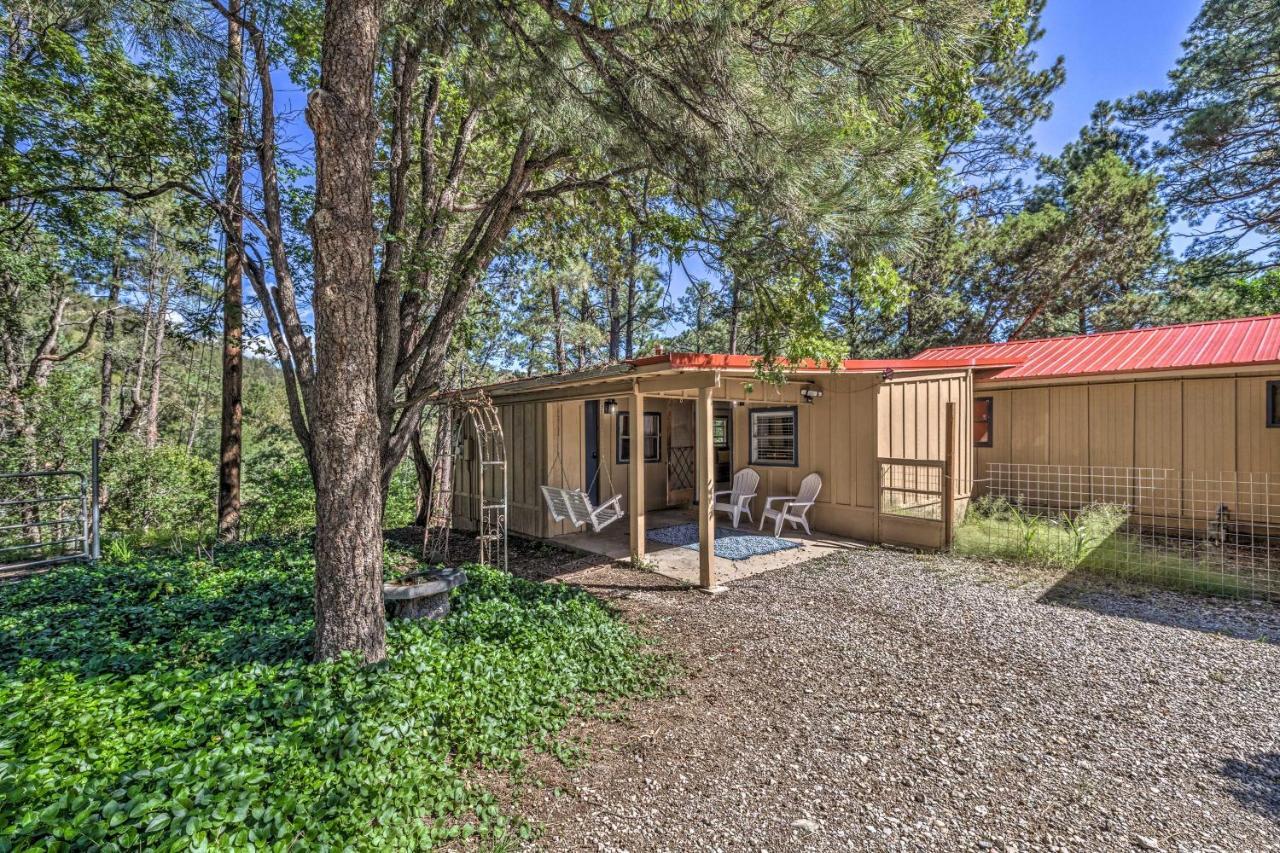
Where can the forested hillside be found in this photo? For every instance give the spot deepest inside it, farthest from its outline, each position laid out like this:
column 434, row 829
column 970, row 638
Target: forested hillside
column 245, row 290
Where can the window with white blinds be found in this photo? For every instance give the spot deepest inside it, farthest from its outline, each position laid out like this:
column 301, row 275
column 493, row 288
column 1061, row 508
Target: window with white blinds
column 773, row 437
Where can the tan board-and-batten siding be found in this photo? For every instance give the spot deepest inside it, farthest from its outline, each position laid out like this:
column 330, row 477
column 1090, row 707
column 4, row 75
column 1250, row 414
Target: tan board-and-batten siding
column 1206, row 426
column 859, row 419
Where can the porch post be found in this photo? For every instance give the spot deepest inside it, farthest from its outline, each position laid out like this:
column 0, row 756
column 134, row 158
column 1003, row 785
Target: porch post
column 635, row 478
column 705, row 449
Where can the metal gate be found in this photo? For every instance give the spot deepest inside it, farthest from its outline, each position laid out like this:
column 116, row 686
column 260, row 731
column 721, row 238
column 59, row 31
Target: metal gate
column 48, row 517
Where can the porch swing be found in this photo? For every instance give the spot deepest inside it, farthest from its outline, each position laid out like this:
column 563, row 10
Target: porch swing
column 574, row 505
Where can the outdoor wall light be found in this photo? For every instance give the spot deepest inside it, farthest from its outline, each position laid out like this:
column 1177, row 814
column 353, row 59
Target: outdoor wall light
column 886, row 374
column 610, row 407
column 810, row 393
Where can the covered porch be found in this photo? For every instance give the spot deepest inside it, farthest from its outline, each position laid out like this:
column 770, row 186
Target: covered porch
column 666, row 479
column 642, row 447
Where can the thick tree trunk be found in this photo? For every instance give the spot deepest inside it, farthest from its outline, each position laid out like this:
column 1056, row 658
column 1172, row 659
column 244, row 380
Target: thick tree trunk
column 585, row 318
column 344, row 419
column 615, row 316
column 229, row 454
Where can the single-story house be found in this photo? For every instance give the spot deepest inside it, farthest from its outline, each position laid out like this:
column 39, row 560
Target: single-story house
column 1192, row 411
column 1194, row 397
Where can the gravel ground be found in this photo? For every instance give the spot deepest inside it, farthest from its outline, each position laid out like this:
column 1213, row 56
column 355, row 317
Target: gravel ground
column 886, row 701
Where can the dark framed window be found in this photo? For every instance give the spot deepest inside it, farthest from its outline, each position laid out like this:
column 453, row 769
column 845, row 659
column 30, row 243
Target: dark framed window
column 1273, row 403
column 652, row 437
column 720, row 432
column 775, row 438
column 983, row 425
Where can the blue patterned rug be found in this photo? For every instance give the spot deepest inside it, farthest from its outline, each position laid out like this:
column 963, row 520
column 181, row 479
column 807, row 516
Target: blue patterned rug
column 730, row 544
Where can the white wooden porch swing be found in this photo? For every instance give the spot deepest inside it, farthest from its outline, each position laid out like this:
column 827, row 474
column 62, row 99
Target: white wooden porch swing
column 574, row 505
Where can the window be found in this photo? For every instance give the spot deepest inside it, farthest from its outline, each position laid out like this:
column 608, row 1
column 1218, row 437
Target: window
column 1273, row 403
column 720, row 432
column 982, row 421
column 773, row 437
column 652, row 437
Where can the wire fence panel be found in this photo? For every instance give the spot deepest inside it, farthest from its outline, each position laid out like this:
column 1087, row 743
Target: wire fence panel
column 1214, row 532
column 44, row 519
column 912, row 488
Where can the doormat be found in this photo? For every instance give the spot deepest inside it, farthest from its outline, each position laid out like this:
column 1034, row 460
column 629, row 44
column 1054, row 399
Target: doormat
column 730, row 544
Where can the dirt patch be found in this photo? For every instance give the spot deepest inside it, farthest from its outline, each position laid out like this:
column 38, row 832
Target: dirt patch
column 881, row 700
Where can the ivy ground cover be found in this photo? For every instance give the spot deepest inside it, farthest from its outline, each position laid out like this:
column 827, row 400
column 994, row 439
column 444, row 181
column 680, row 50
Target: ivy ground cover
column 167, row 703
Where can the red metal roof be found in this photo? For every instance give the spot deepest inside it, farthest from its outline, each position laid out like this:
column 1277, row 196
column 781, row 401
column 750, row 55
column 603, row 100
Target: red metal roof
column 1220, row 343
column 722, row 361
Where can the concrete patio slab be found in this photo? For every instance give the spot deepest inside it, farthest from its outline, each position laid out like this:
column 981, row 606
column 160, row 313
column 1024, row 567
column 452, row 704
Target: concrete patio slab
column 681, row 563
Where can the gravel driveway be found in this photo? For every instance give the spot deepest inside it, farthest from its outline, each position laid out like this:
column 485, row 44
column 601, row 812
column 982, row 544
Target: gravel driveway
column 879, row 700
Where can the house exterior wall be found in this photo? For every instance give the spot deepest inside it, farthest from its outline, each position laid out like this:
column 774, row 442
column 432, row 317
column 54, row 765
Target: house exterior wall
column 615, row 478
column 542, row 440
column 1204, row 425
column 912, row 425
column 858, row 418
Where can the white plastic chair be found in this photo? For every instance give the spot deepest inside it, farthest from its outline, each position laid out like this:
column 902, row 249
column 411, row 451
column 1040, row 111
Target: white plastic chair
column 574, row 506
column 794, row 508
column 739, row 502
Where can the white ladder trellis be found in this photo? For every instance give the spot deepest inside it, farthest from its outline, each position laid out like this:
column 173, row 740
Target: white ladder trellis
column 491, row 483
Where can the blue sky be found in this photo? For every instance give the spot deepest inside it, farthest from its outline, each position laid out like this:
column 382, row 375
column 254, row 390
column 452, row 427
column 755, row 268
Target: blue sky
column 1112, row 49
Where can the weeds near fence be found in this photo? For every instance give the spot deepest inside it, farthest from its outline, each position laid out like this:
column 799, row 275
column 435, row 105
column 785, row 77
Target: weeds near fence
column 1097, row 537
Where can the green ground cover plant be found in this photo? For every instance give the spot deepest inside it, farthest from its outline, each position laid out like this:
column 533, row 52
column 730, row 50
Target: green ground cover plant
column 1094, row 539
column 167, row 703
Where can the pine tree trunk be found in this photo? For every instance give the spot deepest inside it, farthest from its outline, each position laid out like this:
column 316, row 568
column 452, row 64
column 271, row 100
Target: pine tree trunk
column 632, row 260
column 615, row 317
column 233, row 297
column 733, row 317
column 585, row 318
column 344, row 418
column 557, row 319
column 108, row 348
column 157, row 355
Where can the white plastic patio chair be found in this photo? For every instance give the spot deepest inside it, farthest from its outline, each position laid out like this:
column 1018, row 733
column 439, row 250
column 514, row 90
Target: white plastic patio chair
column 739, row 502
column 794, row 508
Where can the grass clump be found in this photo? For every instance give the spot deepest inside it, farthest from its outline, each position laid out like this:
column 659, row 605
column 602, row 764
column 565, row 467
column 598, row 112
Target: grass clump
column 166, row 703
column 1092, row 538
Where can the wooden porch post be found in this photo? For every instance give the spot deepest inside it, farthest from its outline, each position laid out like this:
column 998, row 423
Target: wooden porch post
column 635, row 479
column 704, row 446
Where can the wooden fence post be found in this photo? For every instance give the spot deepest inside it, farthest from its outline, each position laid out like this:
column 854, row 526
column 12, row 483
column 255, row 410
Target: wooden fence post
column 948, row 480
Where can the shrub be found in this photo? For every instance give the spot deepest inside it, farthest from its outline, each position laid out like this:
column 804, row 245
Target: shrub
column 158, row 495
column 278, row 495
column 166, row 703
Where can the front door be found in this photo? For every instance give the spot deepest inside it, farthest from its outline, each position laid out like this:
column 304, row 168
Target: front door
column 722, row 435
column 591, row 449
column 682, row 459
